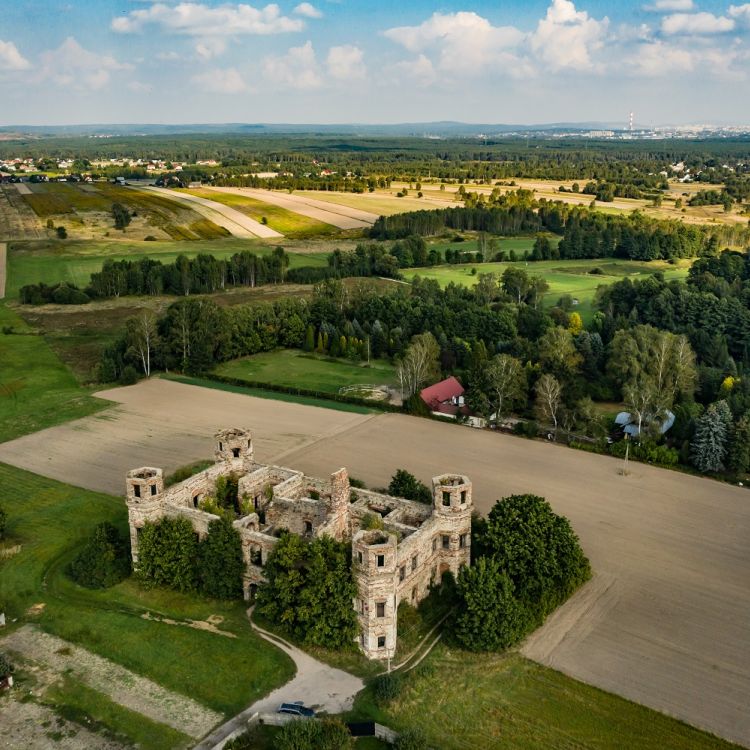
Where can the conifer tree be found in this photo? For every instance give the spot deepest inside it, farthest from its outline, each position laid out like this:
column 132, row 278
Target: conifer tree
column 709, row 446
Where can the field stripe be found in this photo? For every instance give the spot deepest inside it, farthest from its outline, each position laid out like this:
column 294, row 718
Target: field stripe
column 339, row 216
column 22, row 188
column 232, row 220
column 3, row 264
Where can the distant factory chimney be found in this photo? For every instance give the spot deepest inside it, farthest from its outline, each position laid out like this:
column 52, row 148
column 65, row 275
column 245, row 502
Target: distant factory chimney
column 630, row 123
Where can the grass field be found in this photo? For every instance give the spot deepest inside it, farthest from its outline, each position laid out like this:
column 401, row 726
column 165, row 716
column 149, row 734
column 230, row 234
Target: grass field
column 49, row 520
column 296, row 369
column 286, row 222
column 36, row 389
column 505, row 702
column 520, row 245
column 571, row 277
column 380, row 202
column 52, row 261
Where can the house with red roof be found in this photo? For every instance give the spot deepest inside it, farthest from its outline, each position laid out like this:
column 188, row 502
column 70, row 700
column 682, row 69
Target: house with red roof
column 445, row 398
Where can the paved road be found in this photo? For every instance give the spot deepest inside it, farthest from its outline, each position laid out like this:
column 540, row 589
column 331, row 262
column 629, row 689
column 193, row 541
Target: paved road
column 338, row 215
column 318, row 685
column 666, row 622
column 239, row 224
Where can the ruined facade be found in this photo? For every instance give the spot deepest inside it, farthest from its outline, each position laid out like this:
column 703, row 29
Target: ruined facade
column 416, row 545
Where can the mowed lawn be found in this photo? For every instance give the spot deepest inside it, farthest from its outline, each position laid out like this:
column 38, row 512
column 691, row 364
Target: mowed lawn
column 287, row 222
column 52, row 261
column 36, row 389
column 49, row 520
column 571, row 277
column 296, row 369
column 505, row 702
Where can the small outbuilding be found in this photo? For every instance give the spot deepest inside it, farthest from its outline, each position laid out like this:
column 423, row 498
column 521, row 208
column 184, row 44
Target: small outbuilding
column 446, row 398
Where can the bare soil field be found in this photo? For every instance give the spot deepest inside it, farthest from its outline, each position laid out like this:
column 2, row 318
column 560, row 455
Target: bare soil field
column 124, row 687
column 343, row 217
column 17, row 220
column 663, row 623
column 232, row 220
column 166, row 424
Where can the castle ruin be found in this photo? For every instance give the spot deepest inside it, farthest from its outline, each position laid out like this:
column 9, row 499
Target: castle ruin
column 400, row 562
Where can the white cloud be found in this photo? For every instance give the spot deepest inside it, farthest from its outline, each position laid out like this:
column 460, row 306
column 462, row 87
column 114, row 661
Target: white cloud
column 211, row 47
column 297, row 69
column 170, row 56
column 73, row 66
column 220, row 81
column 656, row 59
column 11, row 58
column 308, row 11
column 669, row 6
column 463, row 41
column 741, row 13
column 696, row 24
column 565, row 37
column 197, row 19
column 659, row 58
column 346, row 63
column 420, row 70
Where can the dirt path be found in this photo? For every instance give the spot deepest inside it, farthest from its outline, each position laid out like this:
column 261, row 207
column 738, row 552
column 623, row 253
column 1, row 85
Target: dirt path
column 318, row 685
column 22, row 188
column 166, row 424
column 130, row 690
column 3, row 268
column 17, row 220
column 232, row 220
column 339, row 216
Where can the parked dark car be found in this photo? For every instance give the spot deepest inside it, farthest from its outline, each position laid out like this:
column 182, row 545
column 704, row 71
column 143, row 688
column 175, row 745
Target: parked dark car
column 297, row 708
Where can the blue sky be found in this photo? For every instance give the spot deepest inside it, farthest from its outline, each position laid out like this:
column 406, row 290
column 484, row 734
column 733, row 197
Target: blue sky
column 100, row 61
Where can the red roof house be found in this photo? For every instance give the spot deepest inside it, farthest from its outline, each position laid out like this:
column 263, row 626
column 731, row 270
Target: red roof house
column 445, row 397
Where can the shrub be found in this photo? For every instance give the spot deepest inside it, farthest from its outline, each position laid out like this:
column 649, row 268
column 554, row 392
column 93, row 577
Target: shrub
column 372, row 522
column 387, row 687
column 62, row 233
column 404, row 484
column 128, row 376
column 185, row 472
column 167, row 552
column 412, row 739
column 149, row 238
column 103, row 561
column 220, row 563
column 358, row 483
column 314, row 734
column 526, row 429
column 3, row 522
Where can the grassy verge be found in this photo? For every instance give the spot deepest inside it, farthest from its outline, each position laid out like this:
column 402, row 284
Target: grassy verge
column 36, row 389
column 93, row 710
column 297, row 369
column 49, row 520
column 463, row 700
column 273, row 395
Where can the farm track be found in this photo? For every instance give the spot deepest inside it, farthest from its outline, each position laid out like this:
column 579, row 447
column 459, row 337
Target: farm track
column 664, row 622
column 3, row 268
column 235, row 222
column 337, row 215
column 17, row 220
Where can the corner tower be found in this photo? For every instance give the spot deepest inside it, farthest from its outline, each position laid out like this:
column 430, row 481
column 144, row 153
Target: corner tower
column 235, row 447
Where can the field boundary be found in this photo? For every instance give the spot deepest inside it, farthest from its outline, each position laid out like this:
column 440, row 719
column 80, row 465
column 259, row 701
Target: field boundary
column 3, row 267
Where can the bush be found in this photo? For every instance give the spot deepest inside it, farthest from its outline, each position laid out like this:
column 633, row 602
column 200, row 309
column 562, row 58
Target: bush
column 3, row 522
column 167, row 552
column 526, row 429
column 220, row 562
column 314, row 734
column 411, row 739
column 387, row 687
column 62, row 233
column 128, row 376
column 103, row 561
column 404, row 484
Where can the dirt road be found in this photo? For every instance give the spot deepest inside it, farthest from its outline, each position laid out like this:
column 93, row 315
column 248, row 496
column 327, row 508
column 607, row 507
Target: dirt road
column 665, row 621
column 232, row 220
column 338, row 215
column 3, row 266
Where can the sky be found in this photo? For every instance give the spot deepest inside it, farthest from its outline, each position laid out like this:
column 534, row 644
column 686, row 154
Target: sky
column 380, row 61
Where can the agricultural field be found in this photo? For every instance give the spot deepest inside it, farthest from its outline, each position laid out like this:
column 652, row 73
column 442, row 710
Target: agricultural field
column 381, row 202
column 573, row 277
column 295, row 369
column 506, row 702
column 282, row 220
column 84, row 209
column 154, row 641
column 36, row 389
column 17, row 220
column 52, row 261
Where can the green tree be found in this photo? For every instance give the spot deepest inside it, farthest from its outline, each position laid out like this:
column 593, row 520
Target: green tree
column 121, row 215
column 516, row 282
column 558, row 353
column 506, row 384
column 739, row 448
column 309, row 590
column 548, row 400
column 309, row 338
column 220, row 563
column 709, row 446
column 489, row 616
column 62, row 233
column 167, row 552
column 405, row 484
column 103, row 561
column 537, row 549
